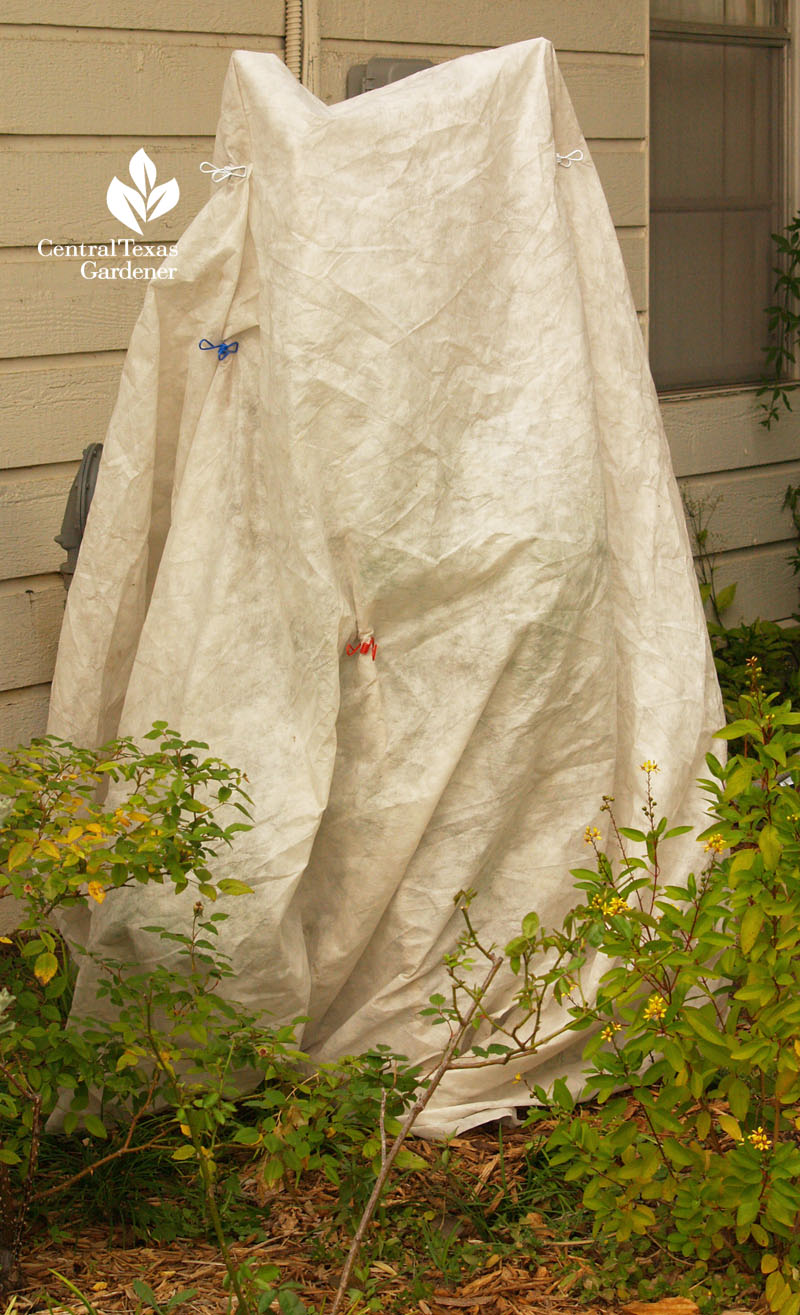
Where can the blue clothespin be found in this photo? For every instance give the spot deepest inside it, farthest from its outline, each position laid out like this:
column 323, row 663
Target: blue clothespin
column 222, row 349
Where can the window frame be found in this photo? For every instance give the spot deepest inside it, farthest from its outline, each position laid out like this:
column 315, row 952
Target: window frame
column 785, row 36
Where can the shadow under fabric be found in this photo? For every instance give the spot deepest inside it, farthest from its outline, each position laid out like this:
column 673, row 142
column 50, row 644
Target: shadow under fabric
column 438, row 432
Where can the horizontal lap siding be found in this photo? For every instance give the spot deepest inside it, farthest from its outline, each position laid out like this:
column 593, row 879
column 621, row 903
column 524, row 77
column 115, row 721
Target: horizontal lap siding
column 86, row 83
column 85, row 86
column 737, row 473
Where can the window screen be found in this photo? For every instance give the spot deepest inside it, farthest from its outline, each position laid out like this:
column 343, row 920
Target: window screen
column 716, row 195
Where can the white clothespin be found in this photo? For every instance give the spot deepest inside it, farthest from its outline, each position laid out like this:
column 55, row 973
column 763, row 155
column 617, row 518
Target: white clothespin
column 219, row 173
column 574, row 157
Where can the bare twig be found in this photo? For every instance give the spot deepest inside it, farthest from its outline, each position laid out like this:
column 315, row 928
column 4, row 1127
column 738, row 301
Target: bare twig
column 383, row 1127
column 124, row 1149
column 112, row 1155
column 408, row 1123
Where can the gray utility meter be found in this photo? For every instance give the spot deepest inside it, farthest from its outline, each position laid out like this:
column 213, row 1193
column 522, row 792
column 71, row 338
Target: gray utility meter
column 379, row 72
column 77, row 509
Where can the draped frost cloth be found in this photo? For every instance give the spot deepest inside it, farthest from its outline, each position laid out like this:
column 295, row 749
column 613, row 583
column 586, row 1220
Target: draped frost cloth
column 439, row 429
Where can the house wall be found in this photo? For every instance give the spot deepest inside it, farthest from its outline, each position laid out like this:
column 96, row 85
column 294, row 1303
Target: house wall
column 87, row 82
column 728, row 463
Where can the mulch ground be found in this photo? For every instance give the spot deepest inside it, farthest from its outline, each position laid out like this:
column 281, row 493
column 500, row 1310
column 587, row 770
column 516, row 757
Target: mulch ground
column 509, row 1285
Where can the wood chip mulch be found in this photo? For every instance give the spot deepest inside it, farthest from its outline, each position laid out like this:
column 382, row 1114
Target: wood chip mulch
column 104, row 1270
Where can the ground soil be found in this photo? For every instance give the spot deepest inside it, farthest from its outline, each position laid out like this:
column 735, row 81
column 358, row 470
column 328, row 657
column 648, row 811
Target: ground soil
column 103, row 1269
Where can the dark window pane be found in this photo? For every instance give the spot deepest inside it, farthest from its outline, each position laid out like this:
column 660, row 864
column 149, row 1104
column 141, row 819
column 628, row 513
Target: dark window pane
column 715, row 199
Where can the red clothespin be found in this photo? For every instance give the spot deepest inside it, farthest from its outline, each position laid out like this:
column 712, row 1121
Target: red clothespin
column 362, row 646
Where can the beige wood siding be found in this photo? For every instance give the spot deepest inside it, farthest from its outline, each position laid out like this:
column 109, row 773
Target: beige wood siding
column 725, row 459
column 86, row 83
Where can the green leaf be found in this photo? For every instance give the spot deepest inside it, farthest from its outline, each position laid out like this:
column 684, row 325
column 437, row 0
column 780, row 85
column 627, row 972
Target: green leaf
column 678, row 1153
column 731, row 1126
column 178, row 1298
column 406, row 1159
column 185, row 1152
column 9, row 1157
column 127, row 1060
column 737, row 729
column 752, row 922
column 94, row 1124
column 748, row 1211
column 561, row 1095
column 743, row 860
column 45, row 967
column 530, row 925
column 776, row 752
column 738, row 1097
column 18, row 853
column 144, row 1292
column 770, row 846
column 702, row 1026
column 738, row 781
column 230, row 886
column 290, row 1303
column 774, row 1289
column 247, row 1136
column 725, row 597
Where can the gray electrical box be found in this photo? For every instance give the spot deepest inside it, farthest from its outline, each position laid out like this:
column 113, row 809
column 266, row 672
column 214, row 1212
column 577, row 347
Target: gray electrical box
column 77, row 508
column 380, row 72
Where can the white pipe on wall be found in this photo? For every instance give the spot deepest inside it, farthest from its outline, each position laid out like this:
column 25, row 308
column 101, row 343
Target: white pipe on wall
column 293, row 38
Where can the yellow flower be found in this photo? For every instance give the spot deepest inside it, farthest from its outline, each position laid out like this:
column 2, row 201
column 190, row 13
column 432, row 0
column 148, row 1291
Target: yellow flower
column 716, row 844
column 759, row 1139
column 517, row 1077
column 649, row 766
column 608, row 904
column 608, row 1032
column 656, row 1007
column 591, row 834
column 96, row 891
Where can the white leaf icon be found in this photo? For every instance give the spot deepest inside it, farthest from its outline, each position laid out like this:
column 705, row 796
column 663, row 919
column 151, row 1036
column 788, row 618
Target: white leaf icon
column 142, row 171
column 120, row 198
column 126, row 202
column 163, row 198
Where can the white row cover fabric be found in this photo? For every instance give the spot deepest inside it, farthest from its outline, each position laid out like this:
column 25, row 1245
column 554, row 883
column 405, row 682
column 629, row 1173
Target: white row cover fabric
column 439, row 432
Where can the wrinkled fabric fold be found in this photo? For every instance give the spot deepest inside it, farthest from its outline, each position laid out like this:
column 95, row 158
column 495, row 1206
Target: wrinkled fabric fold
column 438, row 430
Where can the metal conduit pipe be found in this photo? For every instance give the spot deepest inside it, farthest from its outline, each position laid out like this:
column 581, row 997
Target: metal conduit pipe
column 293, row 37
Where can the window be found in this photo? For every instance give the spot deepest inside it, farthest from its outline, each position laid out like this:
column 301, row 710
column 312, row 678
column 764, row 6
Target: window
column 717, row 185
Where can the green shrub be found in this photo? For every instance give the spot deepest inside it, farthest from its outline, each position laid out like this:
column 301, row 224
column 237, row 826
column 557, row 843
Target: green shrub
column 776, row 648
column 61, row 847
column 169, row 1040
column 691, row 1136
